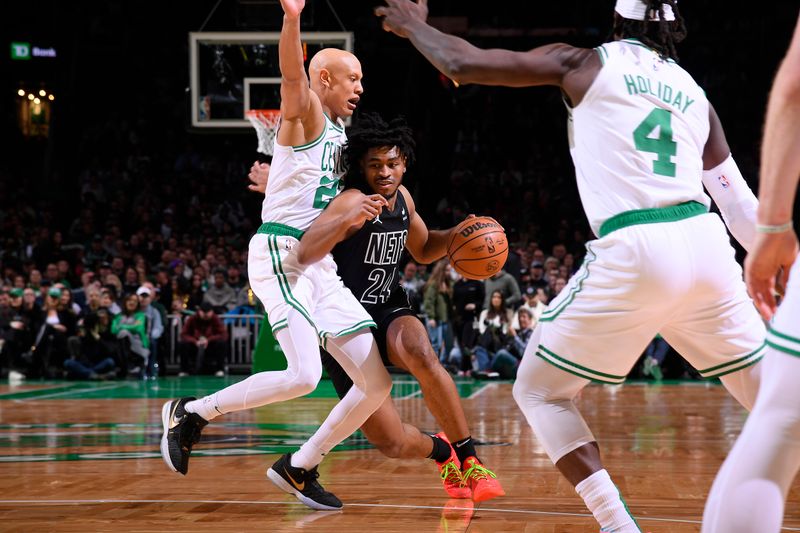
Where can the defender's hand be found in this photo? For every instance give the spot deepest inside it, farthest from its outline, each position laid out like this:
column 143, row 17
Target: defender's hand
column 367, row 209
column 259, row 177
column 771, row 253
column 399, row 14
column 292, row 8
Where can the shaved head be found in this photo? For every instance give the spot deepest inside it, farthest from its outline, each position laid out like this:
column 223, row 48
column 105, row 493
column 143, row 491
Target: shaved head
column 330, row 59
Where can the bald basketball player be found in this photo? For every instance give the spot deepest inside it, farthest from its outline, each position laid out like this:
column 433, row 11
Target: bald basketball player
column 305, row 305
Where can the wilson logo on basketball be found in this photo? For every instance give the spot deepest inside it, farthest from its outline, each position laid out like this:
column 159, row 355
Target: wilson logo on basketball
column 469, row 230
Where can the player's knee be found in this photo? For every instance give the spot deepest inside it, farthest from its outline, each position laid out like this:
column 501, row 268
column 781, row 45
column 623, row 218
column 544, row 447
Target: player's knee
column 306, row 379
column 393, row 449
column 382, row 386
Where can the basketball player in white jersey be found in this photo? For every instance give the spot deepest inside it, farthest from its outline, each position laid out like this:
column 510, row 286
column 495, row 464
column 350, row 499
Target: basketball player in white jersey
column 751, row 487
column 305, row 305
column 644, row 141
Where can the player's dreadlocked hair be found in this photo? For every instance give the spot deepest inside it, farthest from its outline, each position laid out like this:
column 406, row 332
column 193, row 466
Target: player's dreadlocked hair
column 371, row 131
column 660, row 35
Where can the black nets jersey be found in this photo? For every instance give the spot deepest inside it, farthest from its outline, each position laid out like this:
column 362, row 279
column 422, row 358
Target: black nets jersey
column 369, row 260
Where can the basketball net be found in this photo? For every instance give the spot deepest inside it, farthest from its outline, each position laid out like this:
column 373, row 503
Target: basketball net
column 265, row 121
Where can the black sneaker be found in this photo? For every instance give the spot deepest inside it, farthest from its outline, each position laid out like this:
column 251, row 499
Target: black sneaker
column 181, row 432
column 302, row 484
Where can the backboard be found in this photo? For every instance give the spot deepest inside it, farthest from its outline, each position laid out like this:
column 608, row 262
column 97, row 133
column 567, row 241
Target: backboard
column 233, row 72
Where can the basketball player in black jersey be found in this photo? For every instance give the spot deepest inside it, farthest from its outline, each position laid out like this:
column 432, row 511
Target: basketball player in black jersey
column 368, row 256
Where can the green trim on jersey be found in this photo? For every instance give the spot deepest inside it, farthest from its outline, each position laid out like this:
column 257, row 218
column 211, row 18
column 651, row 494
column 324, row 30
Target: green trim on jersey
column 276, row 228
column 735, row 365
column 550, row 314
column 602, row 53
column 279, row 325
column 302, row 147
column 637, row 42
column 656, row 215
column 283, row 282
column 576, row 369
column 783, row 342
column 335, row 126
column 352, row 329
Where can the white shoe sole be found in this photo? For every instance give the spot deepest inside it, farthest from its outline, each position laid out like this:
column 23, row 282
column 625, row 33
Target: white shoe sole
column 164, row 445
column 286, row 487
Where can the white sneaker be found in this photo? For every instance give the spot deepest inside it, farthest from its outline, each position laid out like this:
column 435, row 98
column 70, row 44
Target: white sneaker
column 15, row 377
column 182, row 374
column 219, row 373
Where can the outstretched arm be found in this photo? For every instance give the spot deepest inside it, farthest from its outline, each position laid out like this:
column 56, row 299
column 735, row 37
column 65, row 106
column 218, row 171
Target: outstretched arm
column 343, row 217
column 780, row 169
column 299, row 105
column 424, row 245
column 555, row 64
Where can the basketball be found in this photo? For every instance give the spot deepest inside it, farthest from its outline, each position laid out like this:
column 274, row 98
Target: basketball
column 478, row 248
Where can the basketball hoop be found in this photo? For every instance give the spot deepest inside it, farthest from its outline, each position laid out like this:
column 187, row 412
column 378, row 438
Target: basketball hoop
column 265, row 121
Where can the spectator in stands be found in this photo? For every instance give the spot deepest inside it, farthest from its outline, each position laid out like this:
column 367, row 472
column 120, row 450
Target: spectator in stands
column 437, row 298
column 154, row 327
column 51, row 343
column 504, row 283
column 65, row 302
column 194, row 298
column 131, row 281
column 412, row 284
column 467, row 301
column 35, row 282
column 220, row 295
column 93, row 352
column 204, row 343
column 493, row 327
column 108, row 299
column 533, row 304
column 130, row 327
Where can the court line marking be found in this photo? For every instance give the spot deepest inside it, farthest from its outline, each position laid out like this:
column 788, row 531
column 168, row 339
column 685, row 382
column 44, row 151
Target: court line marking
column 488, row 386
column 372, row 505
column 73, row 391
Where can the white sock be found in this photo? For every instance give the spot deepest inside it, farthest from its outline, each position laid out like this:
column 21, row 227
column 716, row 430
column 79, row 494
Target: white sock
column 604, row 501
column 205, row 407
column 308, row 456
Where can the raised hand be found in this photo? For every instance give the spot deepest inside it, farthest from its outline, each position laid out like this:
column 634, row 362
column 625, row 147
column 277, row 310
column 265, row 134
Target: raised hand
column 292, row 8
column 772, row 256
column 399, row 14
column 259, row 177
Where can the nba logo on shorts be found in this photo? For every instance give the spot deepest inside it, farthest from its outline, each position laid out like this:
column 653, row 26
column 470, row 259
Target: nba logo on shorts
column 724, row 181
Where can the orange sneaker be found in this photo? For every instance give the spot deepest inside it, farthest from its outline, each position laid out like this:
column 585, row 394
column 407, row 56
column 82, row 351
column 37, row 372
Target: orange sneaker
column 481, row 480
column 450, row 472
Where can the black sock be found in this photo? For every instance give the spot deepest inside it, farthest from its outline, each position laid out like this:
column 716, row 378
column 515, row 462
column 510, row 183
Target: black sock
column 441, row 450
column 465, row 448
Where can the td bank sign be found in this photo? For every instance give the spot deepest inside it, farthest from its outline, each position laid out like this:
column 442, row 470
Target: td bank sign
column 24, row 51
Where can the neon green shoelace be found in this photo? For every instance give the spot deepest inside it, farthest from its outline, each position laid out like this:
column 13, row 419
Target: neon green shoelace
column 451, row 473
column 477, row 471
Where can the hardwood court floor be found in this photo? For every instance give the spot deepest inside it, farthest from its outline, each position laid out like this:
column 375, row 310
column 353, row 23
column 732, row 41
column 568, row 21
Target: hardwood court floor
column 84, row 457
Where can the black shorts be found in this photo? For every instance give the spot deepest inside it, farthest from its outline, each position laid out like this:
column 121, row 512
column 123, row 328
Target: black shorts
column 394, row 307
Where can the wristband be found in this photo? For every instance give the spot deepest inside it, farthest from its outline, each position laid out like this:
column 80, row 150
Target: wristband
column 767, row 228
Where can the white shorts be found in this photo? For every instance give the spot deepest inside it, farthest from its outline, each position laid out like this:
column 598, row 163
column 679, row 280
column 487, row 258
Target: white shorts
column 316, row 292
column 677, row 278
column 784, row 331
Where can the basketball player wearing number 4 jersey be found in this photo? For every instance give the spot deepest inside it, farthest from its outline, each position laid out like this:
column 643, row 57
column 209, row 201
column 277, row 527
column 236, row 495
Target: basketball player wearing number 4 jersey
column 305, row 305
column 368, row 255
column 644, row 140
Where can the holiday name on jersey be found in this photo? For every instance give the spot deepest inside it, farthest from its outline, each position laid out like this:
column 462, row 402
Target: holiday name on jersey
column 384, row 248
column 665, row 93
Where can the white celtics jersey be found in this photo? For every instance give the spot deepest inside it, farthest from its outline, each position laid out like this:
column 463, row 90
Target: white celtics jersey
column 638, row 135
column 304, row 179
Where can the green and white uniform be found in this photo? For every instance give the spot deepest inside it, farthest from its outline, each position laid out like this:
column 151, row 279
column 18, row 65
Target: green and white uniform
column 303, row 180
column 662, row 263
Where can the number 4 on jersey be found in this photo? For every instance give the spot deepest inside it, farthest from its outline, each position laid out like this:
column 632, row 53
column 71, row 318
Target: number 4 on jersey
column 663, row 145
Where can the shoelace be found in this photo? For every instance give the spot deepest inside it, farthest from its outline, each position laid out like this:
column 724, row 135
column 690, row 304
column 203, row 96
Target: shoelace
column 450, row 473
column 477, row 472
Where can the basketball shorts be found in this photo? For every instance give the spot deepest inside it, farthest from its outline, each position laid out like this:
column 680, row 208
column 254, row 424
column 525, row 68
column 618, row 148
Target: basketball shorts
column 316, row 291
column 784, row 330
column 678, row 278
column 394, row 307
